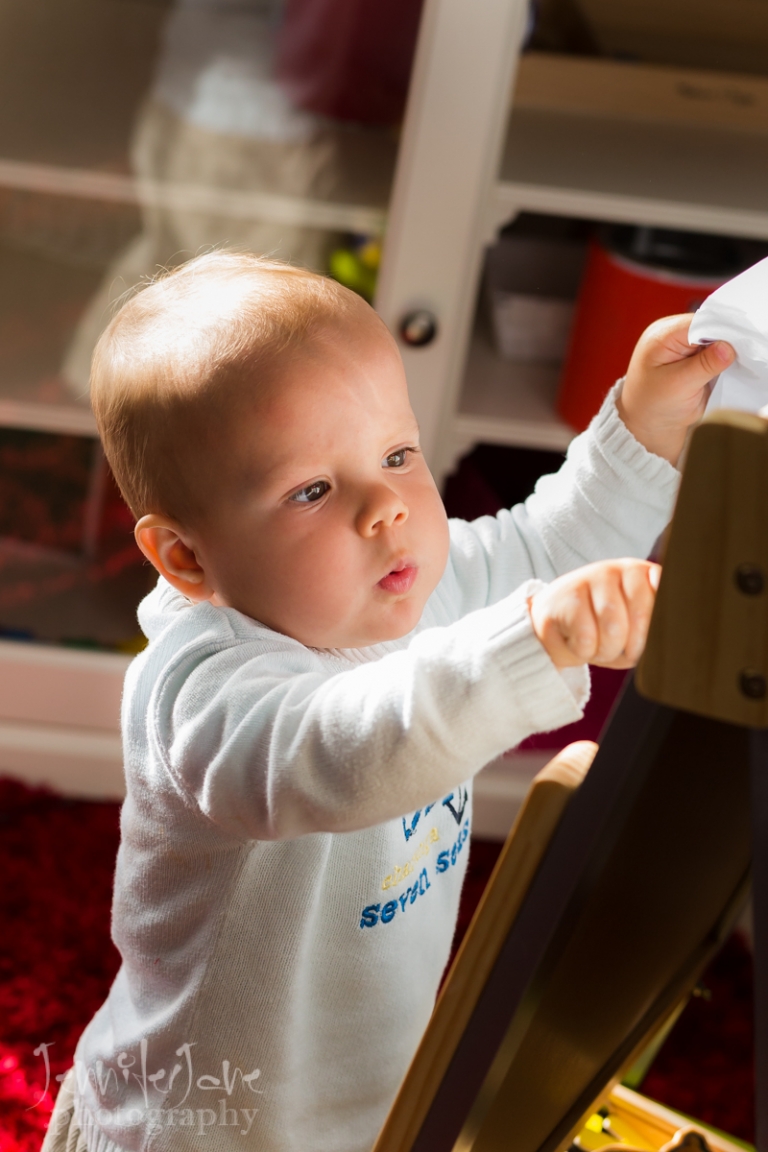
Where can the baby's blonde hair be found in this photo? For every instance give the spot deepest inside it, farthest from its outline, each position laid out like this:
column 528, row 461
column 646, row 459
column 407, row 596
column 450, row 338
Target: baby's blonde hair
column 176, row 352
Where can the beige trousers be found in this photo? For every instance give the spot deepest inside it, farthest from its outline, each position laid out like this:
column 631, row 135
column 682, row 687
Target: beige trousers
column 168, row 149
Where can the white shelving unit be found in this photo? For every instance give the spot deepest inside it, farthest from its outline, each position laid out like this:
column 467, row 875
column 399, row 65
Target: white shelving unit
column 65, row 147
column 18, row 410
column 602, row 170
column 496, row 166
column 506, row 403
column 60, row 707
column 60, row 718
column 359, row 205
column 693, row 178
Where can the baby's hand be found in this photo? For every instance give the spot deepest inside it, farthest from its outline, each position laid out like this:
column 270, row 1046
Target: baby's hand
column 598, row 614
column 665, row 390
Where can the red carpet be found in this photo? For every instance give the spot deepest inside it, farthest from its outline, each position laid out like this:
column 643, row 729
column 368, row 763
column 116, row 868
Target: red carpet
column 57, row 962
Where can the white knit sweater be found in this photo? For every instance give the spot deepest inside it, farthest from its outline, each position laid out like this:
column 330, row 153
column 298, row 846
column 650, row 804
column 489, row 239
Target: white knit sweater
column 294, row 835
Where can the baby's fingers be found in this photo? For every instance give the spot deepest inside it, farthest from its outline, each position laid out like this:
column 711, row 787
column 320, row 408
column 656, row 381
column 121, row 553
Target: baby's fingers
column 611, row 613
column 598, row 614
column 639, row 583
column 564, row 621
column 579, row 626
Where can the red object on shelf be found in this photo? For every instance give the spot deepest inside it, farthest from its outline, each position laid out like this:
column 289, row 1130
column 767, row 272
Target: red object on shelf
column 349, row 59
column 618, row 299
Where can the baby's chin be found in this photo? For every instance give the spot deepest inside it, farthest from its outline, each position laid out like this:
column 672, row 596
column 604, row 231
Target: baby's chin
column 368, row 633
column 347, row 634
column 363, row 638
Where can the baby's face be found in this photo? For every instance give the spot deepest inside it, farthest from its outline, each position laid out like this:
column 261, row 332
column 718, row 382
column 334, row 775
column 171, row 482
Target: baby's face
column 326, row 524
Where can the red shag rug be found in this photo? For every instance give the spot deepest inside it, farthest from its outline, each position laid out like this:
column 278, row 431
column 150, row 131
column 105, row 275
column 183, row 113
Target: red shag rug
column 57, row 962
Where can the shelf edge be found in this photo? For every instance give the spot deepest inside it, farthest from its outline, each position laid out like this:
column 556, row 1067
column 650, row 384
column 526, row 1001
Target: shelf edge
column 508, row 198
column 80, row 183
column 59, row 656
column 74, row 762
column 554, row 437
column 47, row 417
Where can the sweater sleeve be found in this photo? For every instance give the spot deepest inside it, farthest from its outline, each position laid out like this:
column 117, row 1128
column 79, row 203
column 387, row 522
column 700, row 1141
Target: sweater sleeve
column 272, row 745
column 611, row 498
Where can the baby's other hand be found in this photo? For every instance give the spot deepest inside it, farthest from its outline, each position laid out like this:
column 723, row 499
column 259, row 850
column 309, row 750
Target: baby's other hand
column 666, row 387
column 598, row 614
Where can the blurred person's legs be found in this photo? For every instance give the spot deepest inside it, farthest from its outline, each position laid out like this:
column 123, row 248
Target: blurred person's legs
column 170, row 150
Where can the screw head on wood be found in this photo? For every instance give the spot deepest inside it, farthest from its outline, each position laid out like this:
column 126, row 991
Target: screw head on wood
column 752, row 684
column 749, row 579
column 418, row 328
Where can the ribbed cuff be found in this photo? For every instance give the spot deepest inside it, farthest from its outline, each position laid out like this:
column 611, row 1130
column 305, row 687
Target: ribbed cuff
column 579, row 683
column 617, row 443
column 545, row 697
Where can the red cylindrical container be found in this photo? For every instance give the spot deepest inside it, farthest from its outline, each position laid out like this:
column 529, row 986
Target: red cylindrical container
column 618, row 299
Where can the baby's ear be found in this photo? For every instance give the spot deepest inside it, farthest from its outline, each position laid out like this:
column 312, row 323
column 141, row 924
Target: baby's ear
column 168, row 549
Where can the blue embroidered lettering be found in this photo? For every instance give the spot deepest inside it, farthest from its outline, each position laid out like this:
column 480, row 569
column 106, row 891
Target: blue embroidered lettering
column 388, row 911
column 370, row 916
column 447, row 858
column 409, row 831
column 461, row 803
column 375, row 914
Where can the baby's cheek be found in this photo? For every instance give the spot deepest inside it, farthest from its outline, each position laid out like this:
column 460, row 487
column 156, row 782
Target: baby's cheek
column 440, row 542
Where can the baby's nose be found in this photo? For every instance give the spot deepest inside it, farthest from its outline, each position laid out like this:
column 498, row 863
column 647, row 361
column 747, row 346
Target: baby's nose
column 384, row 508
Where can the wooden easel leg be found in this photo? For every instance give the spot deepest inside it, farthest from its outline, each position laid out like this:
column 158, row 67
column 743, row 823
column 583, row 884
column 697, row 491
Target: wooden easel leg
column 759, row 770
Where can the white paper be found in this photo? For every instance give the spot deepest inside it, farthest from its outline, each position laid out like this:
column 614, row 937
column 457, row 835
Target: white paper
column 738, row 313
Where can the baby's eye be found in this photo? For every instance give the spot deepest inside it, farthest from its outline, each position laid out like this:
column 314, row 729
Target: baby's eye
column 312, row 493
column 397, row 459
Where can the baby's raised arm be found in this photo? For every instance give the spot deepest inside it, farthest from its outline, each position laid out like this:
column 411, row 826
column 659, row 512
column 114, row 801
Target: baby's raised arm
column 614, row 494
column 272, row 740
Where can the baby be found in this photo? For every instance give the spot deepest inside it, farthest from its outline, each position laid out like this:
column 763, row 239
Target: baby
column 329, row 663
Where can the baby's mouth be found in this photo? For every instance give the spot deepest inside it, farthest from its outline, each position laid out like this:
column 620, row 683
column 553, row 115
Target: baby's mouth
column 400, row 579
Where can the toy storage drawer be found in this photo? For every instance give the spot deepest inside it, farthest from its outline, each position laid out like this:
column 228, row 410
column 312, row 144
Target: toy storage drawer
column 633, row 1121
column 71, row 578
column 70, row 571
